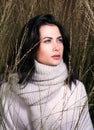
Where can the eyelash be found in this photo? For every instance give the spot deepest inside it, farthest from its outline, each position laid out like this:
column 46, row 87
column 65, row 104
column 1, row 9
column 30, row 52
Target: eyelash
column 47, row 41
column 61, row 40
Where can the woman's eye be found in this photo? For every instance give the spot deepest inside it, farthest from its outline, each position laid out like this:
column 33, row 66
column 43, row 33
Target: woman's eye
column 47, row 41
column 60, row 40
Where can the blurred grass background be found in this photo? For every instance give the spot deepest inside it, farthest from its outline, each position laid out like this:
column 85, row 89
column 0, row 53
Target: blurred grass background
column 78, row 18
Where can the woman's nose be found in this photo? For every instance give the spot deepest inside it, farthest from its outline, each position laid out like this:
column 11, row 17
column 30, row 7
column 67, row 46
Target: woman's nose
column 55, row 46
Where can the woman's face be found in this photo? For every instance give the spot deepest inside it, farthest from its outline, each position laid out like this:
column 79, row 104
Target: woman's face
column 51, row 47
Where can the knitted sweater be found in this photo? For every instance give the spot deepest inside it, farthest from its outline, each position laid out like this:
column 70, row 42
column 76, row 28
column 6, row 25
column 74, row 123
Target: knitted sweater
column 47, row 102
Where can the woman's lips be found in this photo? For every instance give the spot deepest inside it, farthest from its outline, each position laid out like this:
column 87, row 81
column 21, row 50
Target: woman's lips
column 56, row 57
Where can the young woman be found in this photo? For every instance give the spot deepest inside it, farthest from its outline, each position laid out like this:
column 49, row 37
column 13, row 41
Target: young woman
column 47, row 96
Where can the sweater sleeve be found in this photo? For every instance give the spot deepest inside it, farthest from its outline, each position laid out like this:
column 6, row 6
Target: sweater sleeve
column 84, row 122
column 15, row 112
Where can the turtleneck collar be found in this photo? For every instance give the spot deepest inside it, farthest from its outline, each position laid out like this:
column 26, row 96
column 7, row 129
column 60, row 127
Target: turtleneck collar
column 46, row 81
column 49, row 75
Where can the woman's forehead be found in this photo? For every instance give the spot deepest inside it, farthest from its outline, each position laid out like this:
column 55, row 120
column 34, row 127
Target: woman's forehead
column 49, row 30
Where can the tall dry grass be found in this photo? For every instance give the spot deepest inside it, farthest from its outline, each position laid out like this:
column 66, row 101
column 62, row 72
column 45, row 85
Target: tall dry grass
column 78, row 18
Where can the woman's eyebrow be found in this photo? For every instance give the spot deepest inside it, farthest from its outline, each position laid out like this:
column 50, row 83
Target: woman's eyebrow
column 60, row 37
column 47, row 37
column 50, row 38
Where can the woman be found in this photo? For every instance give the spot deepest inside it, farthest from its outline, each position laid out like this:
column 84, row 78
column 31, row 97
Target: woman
column 47, row 96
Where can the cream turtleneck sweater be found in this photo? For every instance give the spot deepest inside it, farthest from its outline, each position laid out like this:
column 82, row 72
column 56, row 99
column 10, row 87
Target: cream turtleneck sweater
column 47, row 103
column 46, row 81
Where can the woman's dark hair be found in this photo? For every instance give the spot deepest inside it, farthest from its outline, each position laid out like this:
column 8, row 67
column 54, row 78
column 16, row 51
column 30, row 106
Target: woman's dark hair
column 29, row 41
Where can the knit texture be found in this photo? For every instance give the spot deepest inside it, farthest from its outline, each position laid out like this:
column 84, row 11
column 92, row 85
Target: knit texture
column 45, row 103
column 53, row 105
column 45, row 81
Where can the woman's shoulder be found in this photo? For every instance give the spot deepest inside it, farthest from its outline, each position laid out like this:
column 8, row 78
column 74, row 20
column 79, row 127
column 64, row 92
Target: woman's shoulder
column 3, row 87
column 79, row 87
column 78, row 84
column 13, row 104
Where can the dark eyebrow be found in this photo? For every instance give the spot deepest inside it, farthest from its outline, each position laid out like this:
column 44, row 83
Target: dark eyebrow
column 47, row 37
column 51, row 37
column 60, row 37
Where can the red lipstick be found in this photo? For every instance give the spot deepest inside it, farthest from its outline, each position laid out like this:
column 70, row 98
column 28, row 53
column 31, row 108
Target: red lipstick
column 56, row 57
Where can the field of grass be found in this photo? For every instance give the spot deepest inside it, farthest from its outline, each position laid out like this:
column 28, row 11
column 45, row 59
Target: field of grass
column 78, row 18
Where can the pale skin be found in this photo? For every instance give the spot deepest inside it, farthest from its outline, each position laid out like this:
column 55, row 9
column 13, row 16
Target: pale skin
column 51, row 47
